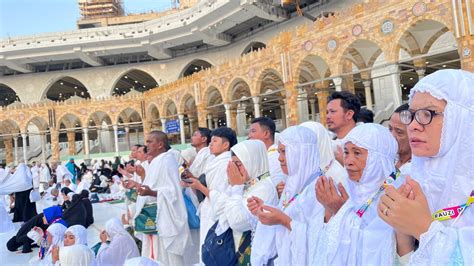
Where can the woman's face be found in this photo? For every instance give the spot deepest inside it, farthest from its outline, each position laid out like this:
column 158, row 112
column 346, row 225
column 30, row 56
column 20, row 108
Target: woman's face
column 282, row 158
column 69, row 239
column 425, row 140
column 355, row 159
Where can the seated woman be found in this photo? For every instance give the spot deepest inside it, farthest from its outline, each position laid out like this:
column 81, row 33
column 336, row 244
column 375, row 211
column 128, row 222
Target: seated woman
column 284, row 226
column 66, row 199
column 352, row 234
column 76, row 213
column 75, row 235
column 248, row 175
column 440, row 214
column 53, row 238
column 121, row 247
column 88, row 206
column 49, row 216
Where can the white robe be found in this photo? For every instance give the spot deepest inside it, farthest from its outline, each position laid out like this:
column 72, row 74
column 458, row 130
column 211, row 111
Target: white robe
column 35, row 174
column 19, row 181
column 200, row 162
column 121, row 247
column 216, row 179
column 62, row 173
column 171, row 220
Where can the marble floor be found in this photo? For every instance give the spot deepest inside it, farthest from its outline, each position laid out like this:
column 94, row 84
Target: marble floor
column 102, row 212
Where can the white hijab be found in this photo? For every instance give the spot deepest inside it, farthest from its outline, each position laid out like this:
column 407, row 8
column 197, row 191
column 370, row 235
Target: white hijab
column 80, row 233
column 253, row 155
column 302, row 160
column 57, row 232
column 327, row 159
column 21, row 180
column 114, row 228
column 76, row 255
column 382, row 149
column 447, row 178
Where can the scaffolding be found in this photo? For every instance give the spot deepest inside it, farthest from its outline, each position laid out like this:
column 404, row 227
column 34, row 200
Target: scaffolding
column 91, row 9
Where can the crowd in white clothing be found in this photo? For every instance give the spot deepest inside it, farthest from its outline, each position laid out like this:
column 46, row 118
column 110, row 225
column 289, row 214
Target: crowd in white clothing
column 349, row 194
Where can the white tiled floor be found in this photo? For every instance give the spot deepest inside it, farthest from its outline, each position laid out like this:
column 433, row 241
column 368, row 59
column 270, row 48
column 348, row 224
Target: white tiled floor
column 102, row 212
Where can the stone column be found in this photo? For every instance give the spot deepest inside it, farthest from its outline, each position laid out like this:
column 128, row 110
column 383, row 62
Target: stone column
column 15, row 141
column 421, row 73
column 209, row 122
column 322, row 94
column 286, row 117
column 25, row 148
column 43, row 146
column 191, row 127
column 163, row 124
column 302, row 105
column 292, row 103
column 256, row 106
column 54, row 145
column 86, row 142
column 312, row 108
column 395, row 84
column 283, row 113
column 216, row 123
column 181, row 128
column 202, row 115
column 368, row 94
column 228, row 119
column 337, row 83
column 117, row 152
column 99, row 139
column 8, row 150
column 71, row 139
column 147, row 126
column 241, row 120
column 127, row 134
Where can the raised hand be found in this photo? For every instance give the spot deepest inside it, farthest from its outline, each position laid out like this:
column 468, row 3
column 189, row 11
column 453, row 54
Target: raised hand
column 280, row 187
column 408, row 215
column 327, row 195
column 254, row 204
column 272, row 216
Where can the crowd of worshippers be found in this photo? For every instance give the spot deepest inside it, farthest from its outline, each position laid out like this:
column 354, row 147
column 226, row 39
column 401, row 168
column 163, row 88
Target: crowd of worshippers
column 350, row 193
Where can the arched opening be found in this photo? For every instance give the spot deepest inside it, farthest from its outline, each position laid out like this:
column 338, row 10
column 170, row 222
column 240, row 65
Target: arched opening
column 154, row 117
column 241, row 100
column 65, row 88
column 362, row 54
column 254, row 46
column 70, row 135
column 100, row 136
column 215, row 108
column 193, row 67
column 7, row 95
column 130, row 129
column 312, row 68
column 271, row 89
column 134, row 80
column 425, row 47
column 11, row 141
column 38, row 140
column 188, row 105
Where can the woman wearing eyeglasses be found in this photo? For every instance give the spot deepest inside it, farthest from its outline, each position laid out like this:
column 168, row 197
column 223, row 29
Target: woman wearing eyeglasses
column 439, row 210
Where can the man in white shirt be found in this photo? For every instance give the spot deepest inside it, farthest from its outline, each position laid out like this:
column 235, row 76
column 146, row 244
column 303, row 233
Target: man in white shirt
column 263, row 128
column 341, row 116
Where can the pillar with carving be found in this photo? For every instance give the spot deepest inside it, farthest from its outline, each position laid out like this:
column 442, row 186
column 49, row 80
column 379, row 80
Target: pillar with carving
column 71, row 140
column 8, row 150
column 54, row 145
column 292, row 103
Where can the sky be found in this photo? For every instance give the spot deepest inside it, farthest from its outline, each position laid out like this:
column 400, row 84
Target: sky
column 29, row 17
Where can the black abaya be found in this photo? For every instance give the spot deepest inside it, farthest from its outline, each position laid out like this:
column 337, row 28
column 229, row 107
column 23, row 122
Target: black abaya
column 24, row 209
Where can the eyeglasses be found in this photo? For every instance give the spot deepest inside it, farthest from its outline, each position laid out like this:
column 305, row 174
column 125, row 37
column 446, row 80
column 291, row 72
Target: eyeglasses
column 422, row 116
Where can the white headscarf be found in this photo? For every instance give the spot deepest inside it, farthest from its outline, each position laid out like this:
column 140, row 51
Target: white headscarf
column 382, row 149
column 253, row 155
column 21, row 180
column 302, row 159
column 188, row 155
column 114, row 227
column 448, row 177
column 76, row 255
column 79, row 232
column 57, row 232
column 327, row 159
